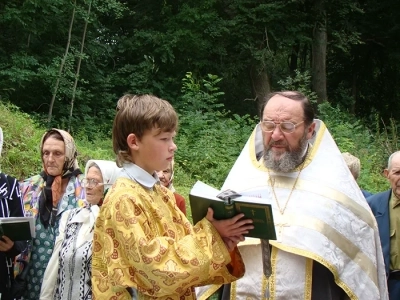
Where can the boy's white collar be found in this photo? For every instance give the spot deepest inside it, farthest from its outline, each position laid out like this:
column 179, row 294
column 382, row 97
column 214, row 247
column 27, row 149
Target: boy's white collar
column 134, row 172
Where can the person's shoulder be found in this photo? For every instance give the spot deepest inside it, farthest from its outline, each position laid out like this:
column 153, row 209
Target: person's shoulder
column 378, row 197
column 33, row 180
column 366, row 193
column 125, row 183
column 179, row 197
column 6, row 179
column 7, row 183
column 122, row 189
column 4, row 176
column 74, row 211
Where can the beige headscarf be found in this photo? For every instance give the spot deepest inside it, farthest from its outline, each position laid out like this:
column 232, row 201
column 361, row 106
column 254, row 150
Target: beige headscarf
column 53, row 190
column 353, row 163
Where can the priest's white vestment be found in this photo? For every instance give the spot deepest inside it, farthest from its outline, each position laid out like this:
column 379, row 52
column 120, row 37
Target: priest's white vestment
column 326, row 220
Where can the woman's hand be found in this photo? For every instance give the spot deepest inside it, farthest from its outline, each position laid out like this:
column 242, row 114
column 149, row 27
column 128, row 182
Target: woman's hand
column 5, row 244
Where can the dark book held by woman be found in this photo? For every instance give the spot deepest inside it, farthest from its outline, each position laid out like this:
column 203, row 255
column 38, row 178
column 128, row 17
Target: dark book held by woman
column 17, row 228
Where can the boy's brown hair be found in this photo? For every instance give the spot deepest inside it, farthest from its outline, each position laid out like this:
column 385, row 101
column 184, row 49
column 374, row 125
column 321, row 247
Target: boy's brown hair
column 137, row 114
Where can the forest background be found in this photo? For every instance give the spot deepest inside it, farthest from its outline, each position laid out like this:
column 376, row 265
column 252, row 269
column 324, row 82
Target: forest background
column 65, row 63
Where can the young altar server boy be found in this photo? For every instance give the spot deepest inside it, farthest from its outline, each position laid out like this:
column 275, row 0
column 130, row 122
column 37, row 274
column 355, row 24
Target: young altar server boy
column 142, row 240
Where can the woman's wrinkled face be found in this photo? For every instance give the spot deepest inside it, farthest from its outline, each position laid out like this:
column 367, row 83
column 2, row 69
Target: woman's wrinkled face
column 53, row 155
column 165, row 176
column 95, row 186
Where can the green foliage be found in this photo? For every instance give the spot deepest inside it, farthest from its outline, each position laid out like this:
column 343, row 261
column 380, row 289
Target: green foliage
column 351, row 135
column 301, row 81
column 143, row 47
column 210, row 138
column 20, row 156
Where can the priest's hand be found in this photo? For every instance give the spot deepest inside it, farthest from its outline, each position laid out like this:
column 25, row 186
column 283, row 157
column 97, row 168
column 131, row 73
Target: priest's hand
column 234, row 228
column 5, row 244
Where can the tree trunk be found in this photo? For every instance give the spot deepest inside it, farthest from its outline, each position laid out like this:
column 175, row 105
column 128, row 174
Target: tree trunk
column 260, row 84
column 79, row 66
column 319, row 45
column 61, row 67
column 294, row 57
column 354, row 93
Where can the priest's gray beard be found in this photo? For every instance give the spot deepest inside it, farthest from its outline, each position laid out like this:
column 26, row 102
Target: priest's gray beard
column 289, row 160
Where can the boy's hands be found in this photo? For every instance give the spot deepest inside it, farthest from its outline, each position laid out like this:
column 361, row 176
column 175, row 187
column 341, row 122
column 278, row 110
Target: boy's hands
column 231, row 230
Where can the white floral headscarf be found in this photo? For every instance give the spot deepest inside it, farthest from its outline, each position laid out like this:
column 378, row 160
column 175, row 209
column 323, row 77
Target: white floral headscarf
column 109, row 171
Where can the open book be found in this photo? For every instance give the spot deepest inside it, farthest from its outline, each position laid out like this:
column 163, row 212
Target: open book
column 18, row 228
column 228, row 204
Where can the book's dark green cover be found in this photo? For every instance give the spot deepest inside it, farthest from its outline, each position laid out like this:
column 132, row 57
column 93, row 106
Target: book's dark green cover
column 17, row 231
column 260, row 213
column 262, row 217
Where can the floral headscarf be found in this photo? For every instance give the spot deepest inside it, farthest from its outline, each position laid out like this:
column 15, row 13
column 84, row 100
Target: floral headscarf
column 52, row 194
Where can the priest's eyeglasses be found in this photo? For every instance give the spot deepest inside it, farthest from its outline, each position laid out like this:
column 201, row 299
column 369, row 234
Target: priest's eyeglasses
column 90, row 183
column 286, row 127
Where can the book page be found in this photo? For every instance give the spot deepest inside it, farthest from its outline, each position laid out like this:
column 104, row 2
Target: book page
column 204, row 190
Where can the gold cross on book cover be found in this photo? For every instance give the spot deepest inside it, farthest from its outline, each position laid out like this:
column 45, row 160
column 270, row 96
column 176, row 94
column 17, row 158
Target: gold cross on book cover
column 228, row 203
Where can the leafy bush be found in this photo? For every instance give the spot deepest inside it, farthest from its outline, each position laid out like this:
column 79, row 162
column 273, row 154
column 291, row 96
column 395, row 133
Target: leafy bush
column 209, row 139
column 351, row 135
column 20, row 156
column 299, row 82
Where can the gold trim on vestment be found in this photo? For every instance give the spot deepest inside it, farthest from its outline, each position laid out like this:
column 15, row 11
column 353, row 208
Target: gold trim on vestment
column 233, row 291
column 319, row 259
column 264, row 285
column 213, row 288
column 272, row 281
column 342, row 242
column 337, row 238
column 309, row 274
column 307, row 279
column 359, row 211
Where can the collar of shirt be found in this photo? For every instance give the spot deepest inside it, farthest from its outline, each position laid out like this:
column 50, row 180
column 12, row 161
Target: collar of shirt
column 134, row 172
column 86, row 214
column 395, row 201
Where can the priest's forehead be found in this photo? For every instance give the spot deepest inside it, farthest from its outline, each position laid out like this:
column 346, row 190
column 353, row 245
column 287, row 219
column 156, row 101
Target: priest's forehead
column 280, row 108
column 307, row 108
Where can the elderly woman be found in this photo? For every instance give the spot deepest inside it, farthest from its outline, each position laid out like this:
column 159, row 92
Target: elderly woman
column 48, row 196
column 68, row 274
column 166, row 179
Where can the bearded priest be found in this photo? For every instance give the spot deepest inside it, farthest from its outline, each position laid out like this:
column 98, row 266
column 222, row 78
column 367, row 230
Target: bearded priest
column 327, row 244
